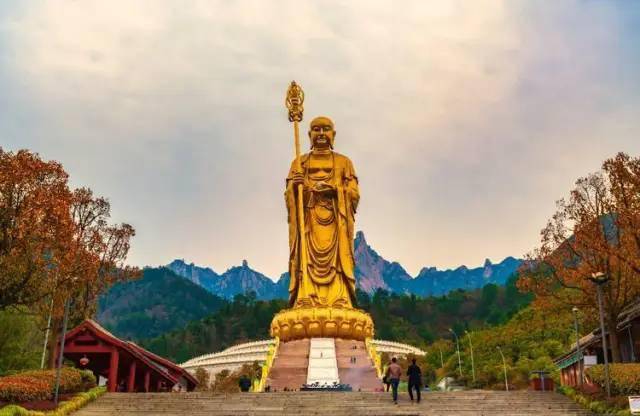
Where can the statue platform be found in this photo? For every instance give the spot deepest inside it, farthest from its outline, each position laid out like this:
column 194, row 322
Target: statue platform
column 344, row 361
column 322, row 322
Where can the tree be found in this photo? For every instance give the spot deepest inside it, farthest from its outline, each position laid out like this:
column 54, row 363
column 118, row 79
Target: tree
column 99, row 251
column 20, row 340
column 93, row 262
column 56, row 245
column 595, row 230
column 35, row 226
column 202, row 376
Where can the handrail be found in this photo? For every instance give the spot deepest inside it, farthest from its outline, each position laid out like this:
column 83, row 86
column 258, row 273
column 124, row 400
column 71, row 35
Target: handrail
column 266, row 368
column 375, row 357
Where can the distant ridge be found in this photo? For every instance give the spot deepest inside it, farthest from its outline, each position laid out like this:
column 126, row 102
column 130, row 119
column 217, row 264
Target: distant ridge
column 373, row 272
column 158, row 302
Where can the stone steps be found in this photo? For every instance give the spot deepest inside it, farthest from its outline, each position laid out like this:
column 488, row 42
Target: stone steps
column 289, row 369
column 519, row 403
column 361, row 375
column 323, row 367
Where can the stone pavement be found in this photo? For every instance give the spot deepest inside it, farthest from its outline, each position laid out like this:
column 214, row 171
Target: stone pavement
column 323, row 367
column 467, row 403
column 360, row 375
column 290, row 366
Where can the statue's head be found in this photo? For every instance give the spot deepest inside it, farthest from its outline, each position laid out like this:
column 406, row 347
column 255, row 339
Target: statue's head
column 322, row 133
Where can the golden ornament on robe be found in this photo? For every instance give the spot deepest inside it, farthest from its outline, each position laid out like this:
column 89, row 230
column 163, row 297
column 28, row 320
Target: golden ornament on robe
column 322, row 297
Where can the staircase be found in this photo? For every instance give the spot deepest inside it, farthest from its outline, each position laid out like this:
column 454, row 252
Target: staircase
column 289, row 369
column 360, row 375
column 467, row 403
column 323, row 367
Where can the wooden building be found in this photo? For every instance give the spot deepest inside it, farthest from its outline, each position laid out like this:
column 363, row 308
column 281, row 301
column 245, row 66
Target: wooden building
column 628, row 331
column 126, row 366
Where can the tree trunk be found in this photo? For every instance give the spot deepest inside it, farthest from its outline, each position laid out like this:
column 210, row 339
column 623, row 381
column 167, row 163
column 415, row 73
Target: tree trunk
column 54, row 335
column 614, row 340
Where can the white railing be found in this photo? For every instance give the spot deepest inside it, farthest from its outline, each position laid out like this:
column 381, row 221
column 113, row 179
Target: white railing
column 257, row 347
column 397, row 347
column 257, row 351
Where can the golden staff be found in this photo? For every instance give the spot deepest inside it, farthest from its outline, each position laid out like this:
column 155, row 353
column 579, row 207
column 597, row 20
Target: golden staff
column 294, row 101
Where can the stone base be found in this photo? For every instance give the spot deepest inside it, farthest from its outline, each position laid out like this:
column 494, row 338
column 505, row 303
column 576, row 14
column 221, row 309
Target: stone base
column 321, row 322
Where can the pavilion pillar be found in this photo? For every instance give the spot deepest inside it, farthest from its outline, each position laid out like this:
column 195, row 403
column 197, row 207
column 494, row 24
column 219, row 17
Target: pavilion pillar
column 147, row 380
column 113, row 371
column 131, row 383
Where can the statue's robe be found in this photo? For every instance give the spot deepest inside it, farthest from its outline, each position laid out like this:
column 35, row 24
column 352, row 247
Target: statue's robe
column 329, row 229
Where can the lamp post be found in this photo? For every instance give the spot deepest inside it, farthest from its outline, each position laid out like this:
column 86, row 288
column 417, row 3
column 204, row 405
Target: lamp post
column 442, row 367
column 599, row 279
column 504, row 366
column 61, row 356
column 578, row 350
column 457, row 349
column 473, row 365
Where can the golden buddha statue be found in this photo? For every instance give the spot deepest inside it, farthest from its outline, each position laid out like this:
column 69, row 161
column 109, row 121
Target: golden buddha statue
column 322, row 294
column 330, row 199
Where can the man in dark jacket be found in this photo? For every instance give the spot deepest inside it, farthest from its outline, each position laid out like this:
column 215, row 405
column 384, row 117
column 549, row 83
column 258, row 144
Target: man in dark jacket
column 415, row 379
column 244, row 383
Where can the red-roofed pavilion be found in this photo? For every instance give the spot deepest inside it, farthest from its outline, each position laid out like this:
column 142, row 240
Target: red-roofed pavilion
column 123, row 363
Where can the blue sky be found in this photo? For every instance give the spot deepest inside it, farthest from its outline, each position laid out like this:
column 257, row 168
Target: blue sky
column 465, row 120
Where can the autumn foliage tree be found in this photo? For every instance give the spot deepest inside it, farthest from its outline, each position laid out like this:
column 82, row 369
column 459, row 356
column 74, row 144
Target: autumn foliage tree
column 595, row 230
column 56, row 244
column 35, row 225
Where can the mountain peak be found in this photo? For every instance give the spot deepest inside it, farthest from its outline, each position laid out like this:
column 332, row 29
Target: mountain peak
column 202, row 276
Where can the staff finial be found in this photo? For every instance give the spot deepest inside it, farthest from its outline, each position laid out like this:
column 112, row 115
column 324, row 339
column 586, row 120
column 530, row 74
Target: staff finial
column 294, row 101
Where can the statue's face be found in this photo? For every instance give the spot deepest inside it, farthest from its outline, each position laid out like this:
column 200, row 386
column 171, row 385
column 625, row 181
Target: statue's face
column 322, row 133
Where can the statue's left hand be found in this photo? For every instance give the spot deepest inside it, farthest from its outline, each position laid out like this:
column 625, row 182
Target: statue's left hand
column 324, row 187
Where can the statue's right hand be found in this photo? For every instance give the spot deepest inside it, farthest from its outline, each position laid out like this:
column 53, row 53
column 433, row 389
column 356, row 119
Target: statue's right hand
column 297, row 179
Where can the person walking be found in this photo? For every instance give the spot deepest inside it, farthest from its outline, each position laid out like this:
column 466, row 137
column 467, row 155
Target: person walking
column 415, row 379
column 394, row 371
column 386, row 382
column 244, row 383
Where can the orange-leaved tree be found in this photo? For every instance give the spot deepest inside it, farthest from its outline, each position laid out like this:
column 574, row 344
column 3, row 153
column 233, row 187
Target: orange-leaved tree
column 35, row 226
column 56, row 245
column 595, row 230
column 94, row 261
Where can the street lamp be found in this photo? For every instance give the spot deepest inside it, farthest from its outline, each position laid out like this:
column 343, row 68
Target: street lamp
column 442, row 366
column 56, row 389
column 599, row 279
column 473, row 365
column 578, row 350
column 504, row 366
column 458, row 349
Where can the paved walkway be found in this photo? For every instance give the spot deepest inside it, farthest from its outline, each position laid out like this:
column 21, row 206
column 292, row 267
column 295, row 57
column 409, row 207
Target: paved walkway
column 467, row 403
column 323, row 367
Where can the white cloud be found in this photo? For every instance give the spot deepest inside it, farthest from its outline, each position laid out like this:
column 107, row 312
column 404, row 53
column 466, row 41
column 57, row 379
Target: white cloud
column 465, row 120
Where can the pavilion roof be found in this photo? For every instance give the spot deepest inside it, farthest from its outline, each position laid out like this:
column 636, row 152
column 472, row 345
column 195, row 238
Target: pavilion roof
column 152, row 360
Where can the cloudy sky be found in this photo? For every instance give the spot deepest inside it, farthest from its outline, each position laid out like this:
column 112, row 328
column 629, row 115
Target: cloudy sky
column 465, row 120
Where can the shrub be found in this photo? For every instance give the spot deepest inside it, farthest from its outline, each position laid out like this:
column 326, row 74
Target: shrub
column 70, row 379
column 40, row 384
column 625, row 378
column 77, row 402
column 88, row 379
column 16, row 389
column 66, row 408
column 13, row 410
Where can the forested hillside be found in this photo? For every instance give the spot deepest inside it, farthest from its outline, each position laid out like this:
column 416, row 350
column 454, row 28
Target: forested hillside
column 403, row 318
column 242, row 319
column 157, row 303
